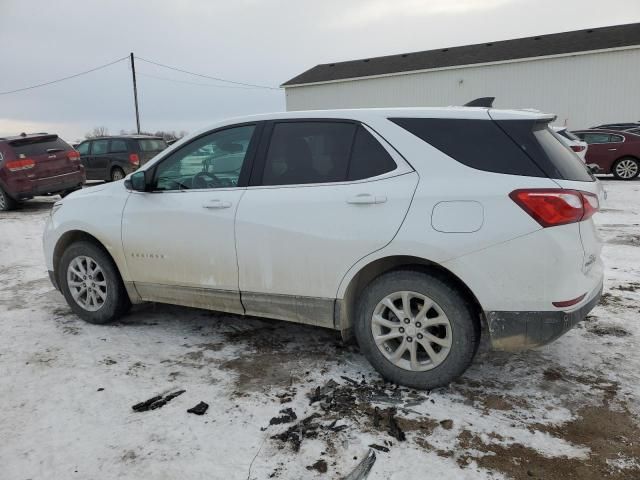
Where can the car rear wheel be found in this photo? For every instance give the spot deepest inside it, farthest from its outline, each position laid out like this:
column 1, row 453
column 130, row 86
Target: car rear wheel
column 91, row 283
column 626, row 168
column 416, row 329
column 6, row 202
column 117, row 174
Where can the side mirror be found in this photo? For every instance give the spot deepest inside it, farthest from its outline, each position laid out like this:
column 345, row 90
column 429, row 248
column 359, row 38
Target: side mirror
column 137, row 181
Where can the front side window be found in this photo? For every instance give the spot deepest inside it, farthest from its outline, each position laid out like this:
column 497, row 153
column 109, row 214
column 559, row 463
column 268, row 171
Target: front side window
column 99, row 147
column 83, row 148
column 211, row 161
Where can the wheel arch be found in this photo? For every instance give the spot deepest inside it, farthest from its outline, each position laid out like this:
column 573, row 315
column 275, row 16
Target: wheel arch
column 346, row 306
column 73, row 236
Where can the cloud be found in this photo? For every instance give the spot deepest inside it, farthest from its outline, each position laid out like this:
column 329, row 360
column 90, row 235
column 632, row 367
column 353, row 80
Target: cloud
column 371, row 11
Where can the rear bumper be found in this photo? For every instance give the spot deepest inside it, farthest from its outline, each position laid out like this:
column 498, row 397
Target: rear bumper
column 512, row 331
column 27, row 188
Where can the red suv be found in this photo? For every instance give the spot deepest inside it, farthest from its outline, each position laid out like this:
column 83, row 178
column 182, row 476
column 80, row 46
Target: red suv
column 37, row 164
column 613, row 151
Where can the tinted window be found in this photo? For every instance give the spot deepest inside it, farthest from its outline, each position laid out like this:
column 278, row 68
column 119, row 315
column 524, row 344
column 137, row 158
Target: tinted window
column 152, row 145
column 596, row 138
column 99, row 147
column 616, row 139
column 308, row 152
column 118, row 146
column 39, row 145
column 368, row 158
column 479, row 144
column 83, row 148
column 568, row 164
column 212, row 161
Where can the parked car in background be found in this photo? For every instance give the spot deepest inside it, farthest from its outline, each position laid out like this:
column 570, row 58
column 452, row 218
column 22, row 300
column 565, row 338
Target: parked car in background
column 614, row 151
column 617, row 126
column 37, row 164
column 572, row 142
column 413, row 228
column 635, row 131
column 111, row 158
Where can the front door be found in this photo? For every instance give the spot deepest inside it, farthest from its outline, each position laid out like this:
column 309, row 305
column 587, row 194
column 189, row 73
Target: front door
column 326, row 194
column 179, row 238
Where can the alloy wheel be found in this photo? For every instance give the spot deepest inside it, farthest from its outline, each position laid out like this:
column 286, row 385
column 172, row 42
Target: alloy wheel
column 627, row 168
column 411, row 331
column 87, row 283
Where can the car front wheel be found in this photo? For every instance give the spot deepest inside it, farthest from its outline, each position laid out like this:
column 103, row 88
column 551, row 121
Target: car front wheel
column 91, row 283
column 626, row 168
column 416, row 329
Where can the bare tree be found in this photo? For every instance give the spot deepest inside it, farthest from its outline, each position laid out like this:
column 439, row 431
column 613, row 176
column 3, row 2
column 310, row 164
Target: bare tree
column 97, row 132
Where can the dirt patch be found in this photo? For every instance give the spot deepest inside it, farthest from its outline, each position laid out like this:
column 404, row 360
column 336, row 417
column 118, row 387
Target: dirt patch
column 607, row 299
column 632, row 240
column 629, row 287
column 610, row 435
column 608, row 330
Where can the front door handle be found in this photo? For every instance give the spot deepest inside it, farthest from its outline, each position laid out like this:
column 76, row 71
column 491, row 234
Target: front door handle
column 216, row 204
column 366, row 199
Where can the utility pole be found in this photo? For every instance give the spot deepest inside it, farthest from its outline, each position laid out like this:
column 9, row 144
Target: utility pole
column 135, row 92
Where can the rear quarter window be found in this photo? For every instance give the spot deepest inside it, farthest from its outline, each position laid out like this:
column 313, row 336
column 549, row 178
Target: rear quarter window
column 151, row 145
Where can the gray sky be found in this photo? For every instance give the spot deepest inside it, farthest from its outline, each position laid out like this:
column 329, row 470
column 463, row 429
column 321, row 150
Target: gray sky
column 254, row 41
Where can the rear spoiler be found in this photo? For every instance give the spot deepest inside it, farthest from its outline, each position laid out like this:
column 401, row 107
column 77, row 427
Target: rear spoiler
column 37, row 138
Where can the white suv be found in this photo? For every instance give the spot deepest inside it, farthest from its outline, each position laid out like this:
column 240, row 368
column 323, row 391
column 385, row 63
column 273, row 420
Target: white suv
column 417, row 229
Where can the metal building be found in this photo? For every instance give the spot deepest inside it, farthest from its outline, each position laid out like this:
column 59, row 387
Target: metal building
column 586, row 77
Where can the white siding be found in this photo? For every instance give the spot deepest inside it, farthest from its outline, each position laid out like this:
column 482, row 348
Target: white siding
column 582, row 90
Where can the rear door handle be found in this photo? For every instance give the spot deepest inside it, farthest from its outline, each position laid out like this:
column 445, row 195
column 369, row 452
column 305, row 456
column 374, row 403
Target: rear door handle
column 613, row 149
column 366, row 199
column 216, row 204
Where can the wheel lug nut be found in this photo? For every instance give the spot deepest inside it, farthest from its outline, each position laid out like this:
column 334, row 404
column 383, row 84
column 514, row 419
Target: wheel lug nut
column 419, row 336
column 409, row 339
column 406, row 320
column 401, row 330
column 418, row 325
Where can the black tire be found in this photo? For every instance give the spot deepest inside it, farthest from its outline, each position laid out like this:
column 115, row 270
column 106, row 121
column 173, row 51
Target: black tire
column 6, row 202
column 116, row 174
column 465, row 328
column 628, row 161
column 117, row 301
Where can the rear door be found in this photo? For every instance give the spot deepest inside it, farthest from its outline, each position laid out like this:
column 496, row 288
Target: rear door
column 599, row 149
column 323, row 195
column 149, row 148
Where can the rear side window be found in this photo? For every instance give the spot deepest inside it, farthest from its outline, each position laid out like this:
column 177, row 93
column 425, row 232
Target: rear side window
column 479, row 144
column 29, row 147
column 308, row 152
column 368, row 158
column 616, row 138
column 592, row 138
column 151, row 144
column 118, row 146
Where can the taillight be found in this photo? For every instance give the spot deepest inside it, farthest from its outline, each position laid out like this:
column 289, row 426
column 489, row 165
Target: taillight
column 577, row 148
column 134, row 159
column 73, row 155
column 552, row 207
column 22, row 164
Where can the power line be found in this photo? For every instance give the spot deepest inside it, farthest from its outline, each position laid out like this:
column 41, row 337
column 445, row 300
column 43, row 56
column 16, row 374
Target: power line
column 208, row 76
column 194, row 83
column 64, row 78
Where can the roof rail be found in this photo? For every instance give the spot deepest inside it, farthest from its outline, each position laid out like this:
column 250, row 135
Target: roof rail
column 486, row 102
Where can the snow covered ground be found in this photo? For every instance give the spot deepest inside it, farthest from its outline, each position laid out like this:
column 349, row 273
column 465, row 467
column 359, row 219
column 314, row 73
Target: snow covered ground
column 568, row 410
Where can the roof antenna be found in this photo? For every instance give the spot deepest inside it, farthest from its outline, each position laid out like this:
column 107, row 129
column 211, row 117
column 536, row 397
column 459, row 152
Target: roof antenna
column 486, row 102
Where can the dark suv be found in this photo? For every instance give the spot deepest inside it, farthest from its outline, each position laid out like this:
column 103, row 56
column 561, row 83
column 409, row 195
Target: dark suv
column 37, row 164
column 111, row 158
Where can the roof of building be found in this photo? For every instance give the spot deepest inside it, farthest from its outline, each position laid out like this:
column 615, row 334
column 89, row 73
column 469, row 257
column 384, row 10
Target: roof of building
column 543, row 45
